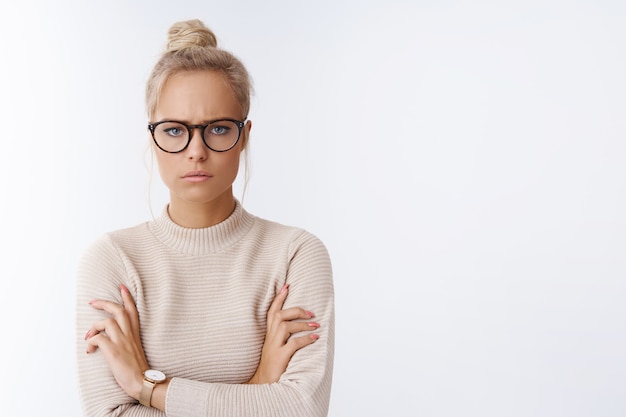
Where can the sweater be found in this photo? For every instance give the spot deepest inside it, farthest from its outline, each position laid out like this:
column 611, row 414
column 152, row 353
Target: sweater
column 202, row 297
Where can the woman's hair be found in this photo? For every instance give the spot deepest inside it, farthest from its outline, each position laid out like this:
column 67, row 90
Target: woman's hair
column 191, row 46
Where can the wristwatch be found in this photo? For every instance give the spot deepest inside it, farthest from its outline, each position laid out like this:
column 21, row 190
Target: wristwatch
column 150, row 379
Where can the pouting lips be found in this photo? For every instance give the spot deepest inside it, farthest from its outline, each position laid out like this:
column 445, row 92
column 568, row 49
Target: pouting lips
column 192, row 174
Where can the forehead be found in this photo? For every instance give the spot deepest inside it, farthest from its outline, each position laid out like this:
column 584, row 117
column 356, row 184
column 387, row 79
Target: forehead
column 197, row 96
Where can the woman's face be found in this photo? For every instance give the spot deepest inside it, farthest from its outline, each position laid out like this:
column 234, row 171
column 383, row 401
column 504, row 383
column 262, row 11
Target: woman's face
column 198, row 174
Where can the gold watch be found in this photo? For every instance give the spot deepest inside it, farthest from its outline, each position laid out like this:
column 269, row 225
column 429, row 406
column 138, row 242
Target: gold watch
column 150, row 379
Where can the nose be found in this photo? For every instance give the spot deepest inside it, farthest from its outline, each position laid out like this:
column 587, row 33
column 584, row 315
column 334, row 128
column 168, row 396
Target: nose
column 197, row 150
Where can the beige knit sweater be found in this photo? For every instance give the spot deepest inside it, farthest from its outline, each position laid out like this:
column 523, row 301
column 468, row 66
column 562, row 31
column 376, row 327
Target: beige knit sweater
column 202, row 296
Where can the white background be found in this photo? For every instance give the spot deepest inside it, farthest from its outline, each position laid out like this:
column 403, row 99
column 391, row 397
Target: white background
column 464, row 162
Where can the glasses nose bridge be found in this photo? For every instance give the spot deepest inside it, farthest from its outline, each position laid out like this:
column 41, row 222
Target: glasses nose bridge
column 200, row 128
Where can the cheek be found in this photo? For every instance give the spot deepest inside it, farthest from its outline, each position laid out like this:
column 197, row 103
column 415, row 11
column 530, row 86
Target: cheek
column 227, row 161
column 165, row 166
column 229, row 165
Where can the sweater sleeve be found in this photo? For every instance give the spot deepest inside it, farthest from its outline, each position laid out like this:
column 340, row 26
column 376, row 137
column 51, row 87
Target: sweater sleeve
column 304, row 389
column 100, row 272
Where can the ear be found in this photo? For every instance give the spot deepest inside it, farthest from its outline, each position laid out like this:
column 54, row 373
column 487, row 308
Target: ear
column 246, row 134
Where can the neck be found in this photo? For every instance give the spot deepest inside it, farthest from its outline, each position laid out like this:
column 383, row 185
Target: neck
column 200, row 215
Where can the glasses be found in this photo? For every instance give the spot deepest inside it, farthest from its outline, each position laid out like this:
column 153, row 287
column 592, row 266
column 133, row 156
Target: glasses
column 173, row 137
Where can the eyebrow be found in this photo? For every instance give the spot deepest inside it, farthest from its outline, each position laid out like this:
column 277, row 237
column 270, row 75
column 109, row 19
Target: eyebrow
column 204, row 122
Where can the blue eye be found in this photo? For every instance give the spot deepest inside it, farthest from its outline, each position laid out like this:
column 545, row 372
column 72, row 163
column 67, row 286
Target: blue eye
column 219, row 130
column 174, row 131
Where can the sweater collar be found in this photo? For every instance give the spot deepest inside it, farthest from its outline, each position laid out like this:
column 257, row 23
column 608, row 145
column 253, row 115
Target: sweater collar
column 205, row 240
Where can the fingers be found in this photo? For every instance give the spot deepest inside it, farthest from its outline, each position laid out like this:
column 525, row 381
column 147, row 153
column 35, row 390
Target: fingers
column 281, row 333
column 96, row 341
column 131, row 309
column 296, row 343
column 125, row 315
column 100, row 333
column 282, row 323
column 106, row 328
column 292, row 327
column 294, row 313
column 279, row 300
column 117, row 311
column 124, row 321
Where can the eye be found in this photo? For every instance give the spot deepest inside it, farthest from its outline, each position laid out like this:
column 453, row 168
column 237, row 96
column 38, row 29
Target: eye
column 174, row 131
column 219, row 130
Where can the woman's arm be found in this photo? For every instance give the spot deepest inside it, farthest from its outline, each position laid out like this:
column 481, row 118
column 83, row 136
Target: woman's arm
column 304, row 388
column 118, row 337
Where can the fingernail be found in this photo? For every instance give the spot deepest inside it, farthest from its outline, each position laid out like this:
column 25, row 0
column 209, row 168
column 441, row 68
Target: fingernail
column 313, row 324
column 314, row 336
column 91, row 302
column 284, row 288
column 310, row 313
column 88, row 334
column 123, row 288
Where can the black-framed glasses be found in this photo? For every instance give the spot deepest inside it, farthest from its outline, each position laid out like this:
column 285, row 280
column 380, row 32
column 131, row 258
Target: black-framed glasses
column 173, row 136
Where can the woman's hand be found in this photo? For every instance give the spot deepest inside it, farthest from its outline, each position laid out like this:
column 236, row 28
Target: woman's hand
column 118, row 339
column 278, row 348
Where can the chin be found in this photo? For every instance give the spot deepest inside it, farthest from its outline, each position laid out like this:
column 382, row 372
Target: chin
column 204, row 197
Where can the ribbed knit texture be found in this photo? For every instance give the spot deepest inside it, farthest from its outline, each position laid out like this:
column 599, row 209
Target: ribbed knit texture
column 202, row 297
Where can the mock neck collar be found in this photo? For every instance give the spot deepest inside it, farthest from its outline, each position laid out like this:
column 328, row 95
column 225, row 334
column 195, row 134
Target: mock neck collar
column 205, row 240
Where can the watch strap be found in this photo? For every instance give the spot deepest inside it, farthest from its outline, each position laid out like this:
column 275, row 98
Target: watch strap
column 146, row 392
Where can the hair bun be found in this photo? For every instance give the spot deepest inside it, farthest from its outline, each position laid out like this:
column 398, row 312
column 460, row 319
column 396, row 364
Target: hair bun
column 189, row 33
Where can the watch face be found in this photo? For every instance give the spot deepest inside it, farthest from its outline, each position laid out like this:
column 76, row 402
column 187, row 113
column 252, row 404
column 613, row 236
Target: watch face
column 156, row 376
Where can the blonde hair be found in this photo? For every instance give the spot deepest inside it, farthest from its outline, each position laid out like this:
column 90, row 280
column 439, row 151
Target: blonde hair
column 191, row 46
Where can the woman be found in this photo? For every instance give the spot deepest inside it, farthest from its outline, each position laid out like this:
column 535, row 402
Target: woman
column 204, row 311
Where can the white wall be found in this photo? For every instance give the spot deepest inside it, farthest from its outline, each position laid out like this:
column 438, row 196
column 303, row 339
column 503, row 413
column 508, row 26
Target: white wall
column 463, row 162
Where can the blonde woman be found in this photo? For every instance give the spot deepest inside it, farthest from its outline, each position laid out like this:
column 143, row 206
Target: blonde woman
column 207, row 310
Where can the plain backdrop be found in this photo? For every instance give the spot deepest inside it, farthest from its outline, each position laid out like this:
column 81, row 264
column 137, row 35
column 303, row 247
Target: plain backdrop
column 463, row 161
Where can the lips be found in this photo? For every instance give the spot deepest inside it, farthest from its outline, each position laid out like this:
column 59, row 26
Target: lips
column 195, row 174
